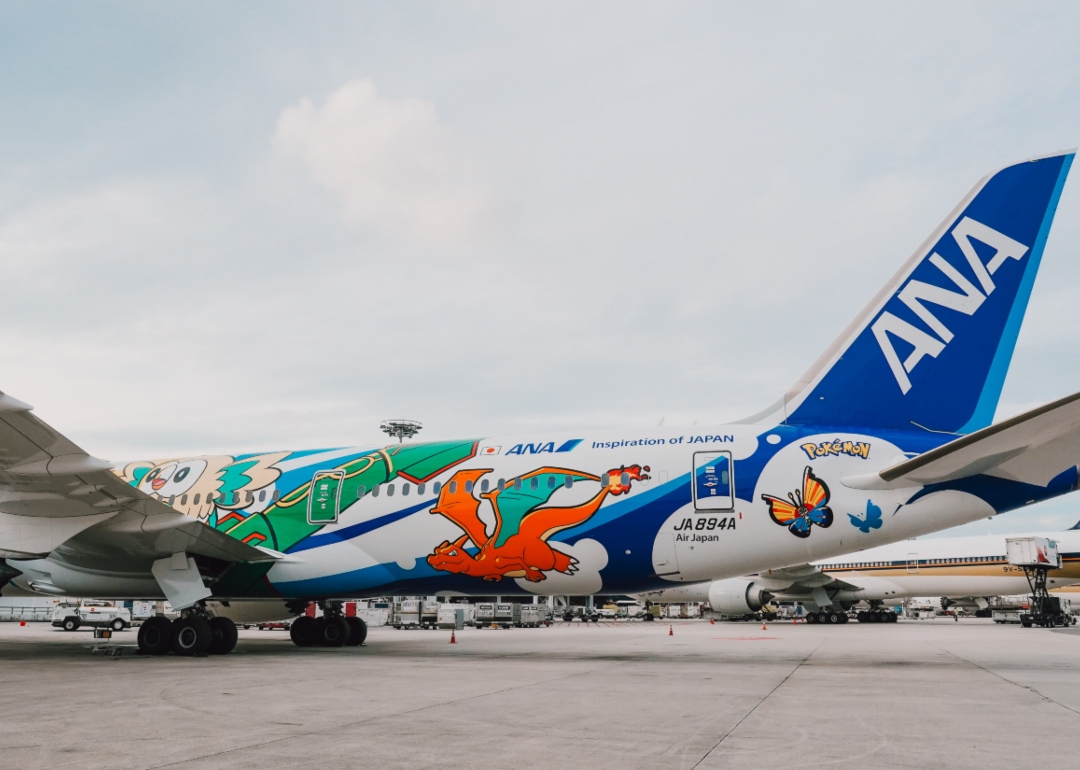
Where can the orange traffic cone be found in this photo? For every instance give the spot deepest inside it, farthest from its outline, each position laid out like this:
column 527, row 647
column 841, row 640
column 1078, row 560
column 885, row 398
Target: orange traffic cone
column 794, row 621
column 712, row 621
column 670, row 631
column 22, row 622
column 763, row 625
column 453, row 639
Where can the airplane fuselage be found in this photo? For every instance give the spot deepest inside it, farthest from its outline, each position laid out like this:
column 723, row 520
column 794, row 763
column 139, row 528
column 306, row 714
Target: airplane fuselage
column 617, row 512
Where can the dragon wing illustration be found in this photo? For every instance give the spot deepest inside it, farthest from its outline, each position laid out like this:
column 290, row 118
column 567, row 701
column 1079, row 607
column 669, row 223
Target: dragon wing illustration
column 461, row 507
column 512, row 506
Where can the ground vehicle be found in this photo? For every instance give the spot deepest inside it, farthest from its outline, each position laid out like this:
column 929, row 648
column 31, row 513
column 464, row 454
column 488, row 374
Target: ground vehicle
column 485, row 614
column 508, row 614
column 93, row 614
column 534, row 615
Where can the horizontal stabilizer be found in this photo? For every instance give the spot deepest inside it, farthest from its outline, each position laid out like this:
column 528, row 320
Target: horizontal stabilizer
column 1033, row 448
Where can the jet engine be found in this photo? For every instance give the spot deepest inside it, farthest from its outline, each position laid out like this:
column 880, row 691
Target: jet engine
column 737, row 596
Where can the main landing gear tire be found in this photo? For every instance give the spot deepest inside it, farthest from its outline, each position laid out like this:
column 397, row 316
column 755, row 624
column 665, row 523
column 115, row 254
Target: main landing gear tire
column 302, row 631
column 335, row 632
column 811, row 618
column 357, row 631
column 222, row 636
column 191, row 636
column 155, row 636
column 71, row 624
column 832, row 618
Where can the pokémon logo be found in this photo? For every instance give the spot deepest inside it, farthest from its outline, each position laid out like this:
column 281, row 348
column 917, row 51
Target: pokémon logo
column 518, row 547
column 837, row 447
column 967, row 300
column 804, row 507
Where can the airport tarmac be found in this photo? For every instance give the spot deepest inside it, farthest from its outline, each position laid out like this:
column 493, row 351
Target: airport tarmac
column 919, row 694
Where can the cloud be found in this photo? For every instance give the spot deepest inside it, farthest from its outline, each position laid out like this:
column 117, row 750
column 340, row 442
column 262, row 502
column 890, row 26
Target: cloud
column 591, row 558
column 395, row 167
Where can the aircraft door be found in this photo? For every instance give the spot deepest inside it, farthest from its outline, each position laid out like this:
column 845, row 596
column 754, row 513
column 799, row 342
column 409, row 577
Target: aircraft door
column 713, row 488
column 913, row 564
column 324, row 499
column 664, row 559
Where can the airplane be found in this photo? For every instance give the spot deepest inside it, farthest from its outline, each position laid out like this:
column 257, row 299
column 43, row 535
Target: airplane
column 898, row 410
column 961, row 570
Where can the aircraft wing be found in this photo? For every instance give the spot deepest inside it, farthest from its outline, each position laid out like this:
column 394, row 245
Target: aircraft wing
column 51, row 491
column 1033, row 447
column 800, row 579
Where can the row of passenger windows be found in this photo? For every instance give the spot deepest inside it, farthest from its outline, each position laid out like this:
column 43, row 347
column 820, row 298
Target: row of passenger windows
column 231, row 498
column 925, row 562
column 485, row 486
column 226, row 498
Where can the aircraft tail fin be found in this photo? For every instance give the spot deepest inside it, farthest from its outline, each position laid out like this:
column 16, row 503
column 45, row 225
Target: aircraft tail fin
column 931, row 350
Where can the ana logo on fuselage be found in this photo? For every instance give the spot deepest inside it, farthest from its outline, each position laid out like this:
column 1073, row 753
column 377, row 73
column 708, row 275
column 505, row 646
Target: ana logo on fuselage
column 966, row 301
column 543, row 447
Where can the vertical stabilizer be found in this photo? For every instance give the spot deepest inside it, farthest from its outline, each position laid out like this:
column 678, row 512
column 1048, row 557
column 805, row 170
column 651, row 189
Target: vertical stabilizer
column 933, row 347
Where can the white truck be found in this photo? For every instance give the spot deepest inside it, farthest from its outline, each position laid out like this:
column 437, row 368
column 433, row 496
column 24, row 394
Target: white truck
column 93, row 614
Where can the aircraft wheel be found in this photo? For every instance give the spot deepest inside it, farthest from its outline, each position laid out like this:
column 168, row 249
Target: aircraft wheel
column 832, row 618
column 191, row 636
column 155, row 636
column 844, row 618
column 71, row 624
column 335, row 632
column 861, row 616
column 302, row 631
column 223, row 636
column 357, row 631
column 811, row 617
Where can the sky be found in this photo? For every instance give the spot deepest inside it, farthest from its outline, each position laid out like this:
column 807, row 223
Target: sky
column 241, row 227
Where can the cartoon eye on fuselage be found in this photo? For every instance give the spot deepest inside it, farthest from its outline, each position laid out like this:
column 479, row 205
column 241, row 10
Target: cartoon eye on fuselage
column 172, row 478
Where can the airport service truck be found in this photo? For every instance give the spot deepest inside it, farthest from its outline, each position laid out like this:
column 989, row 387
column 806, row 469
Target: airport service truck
column 94, row 614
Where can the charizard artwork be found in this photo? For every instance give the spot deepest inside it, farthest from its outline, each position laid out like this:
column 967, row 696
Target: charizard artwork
column 518, row 546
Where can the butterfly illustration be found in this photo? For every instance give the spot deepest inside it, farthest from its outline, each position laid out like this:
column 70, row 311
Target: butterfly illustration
column 804, row 507
column 872, row 519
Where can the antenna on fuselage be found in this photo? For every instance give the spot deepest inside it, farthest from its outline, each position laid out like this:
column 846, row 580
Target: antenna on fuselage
column 401, row 429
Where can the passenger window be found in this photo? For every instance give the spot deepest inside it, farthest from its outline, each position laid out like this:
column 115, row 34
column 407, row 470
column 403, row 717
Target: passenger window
column 360, row 490
column 420, row 488
column 375, row 491
column 534, row 482
column 172, row 499
column 468, row 487
column 262, row 495
column 436, row 487
column 517, row 484
column 404, row 489
column 197, row 496
column 624, row 479
column 389, row 490
column 605, row 480
column 568, row 481
column 453, row 487
column 484, row 485
column 277, row 495
column 250, row 497
column 501, row 485
column 551, row 482
column 183, row 500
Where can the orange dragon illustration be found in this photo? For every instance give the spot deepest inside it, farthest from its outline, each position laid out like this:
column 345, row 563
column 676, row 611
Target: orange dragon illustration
column 518, row 546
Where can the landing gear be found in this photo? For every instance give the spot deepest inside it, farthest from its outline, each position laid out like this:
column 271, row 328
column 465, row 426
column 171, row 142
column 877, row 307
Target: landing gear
column 333, row 629
column 195, row 635
column 302, row 631
column 222, row 636
column 154, row 636
column 191, row 636
column 357, row 631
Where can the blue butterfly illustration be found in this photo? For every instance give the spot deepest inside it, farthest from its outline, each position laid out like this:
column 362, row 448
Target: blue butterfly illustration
column 872, row 519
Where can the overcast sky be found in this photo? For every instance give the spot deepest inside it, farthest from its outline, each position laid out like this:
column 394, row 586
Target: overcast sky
column 236, row 227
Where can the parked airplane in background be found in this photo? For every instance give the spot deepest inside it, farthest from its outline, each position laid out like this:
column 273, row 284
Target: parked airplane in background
column 886, row 437
column 967, row 570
